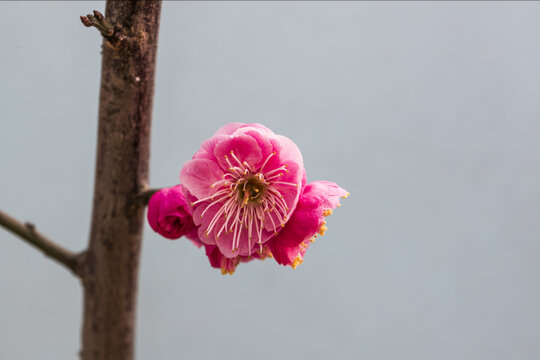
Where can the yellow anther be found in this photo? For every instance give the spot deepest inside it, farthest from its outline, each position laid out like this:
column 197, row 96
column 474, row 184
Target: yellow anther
column 297, row 261
column 282, row 225
column 327, row 212
column 226, row 157
column 225, row 271
column 338, row 205
column 285, row 166
column 346, row 195
column 322, row 229
column 312, row 239
column 274, row 153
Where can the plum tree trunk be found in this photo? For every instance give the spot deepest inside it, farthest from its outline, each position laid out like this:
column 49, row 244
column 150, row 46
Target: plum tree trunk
column 109, row 270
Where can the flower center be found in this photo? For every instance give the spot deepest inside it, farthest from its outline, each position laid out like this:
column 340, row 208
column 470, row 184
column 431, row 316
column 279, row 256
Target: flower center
column 247, row 199
column 251, row 190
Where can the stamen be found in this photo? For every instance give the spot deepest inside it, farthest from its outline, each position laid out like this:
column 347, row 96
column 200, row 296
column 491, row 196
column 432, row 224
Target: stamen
column 275, row 170
column 246, row 165
column 266, row 161
column 322, row 229
column 213, row 203
column 215, row 219
column 221, row 192
column 238, row 161
column 284, row 183
column 297, row 261
column 274, row 177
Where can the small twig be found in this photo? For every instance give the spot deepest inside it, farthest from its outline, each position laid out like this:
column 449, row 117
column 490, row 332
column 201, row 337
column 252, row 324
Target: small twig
column 111, row 32
column 28, row 233
column 145, row 195
column 99, row 22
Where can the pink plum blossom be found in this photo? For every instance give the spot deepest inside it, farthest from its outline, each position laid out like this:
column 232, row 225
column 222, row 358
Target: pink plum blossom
column 246, row 192
column 243, row 185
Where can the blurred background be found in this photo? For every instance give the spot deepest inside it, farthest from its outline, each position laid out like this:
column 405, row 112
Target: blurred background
column 427, row 113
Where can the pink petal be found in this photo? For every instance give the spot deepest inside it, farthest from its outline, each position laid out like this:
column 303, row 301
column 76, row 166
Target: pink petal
column 217, row 260
column 207, row 148
column 317, row 200
column 234, row 128
column 327, row 194
column 198, row 175
column 228, row 265
column 246, row 247
column 292, row 256
column 243, row 147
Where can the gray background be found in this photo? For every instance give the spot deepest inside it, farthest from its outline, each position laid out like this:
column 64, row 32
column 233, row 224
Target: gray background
column 427, row 113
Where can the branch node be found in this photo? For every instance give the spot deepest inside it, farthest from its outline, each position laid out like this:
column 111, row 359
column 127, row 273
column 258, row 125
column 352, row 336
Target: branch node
column 30, row 226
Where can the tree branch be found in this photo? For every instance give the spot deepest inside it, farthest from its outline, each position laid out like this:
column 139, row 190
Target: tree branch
column 145, row 195
column 111, row 264
column 28, row 233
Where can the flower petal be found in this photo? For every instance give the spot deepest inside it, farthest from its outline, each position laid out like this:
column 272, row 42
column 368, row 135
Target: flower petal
column 317, row 200
column 327, row 193
column 243, row 148
column 217, row 260
column 234, row 128
column 198, row 175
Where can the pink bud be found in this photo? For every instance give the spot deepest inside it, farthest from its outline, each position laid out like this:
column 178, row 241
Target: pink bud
column 169, row 216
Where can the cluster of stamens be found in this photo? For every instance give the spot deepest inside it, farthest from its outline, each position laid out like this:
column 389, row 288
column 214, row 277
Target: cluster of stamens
column 246, row 198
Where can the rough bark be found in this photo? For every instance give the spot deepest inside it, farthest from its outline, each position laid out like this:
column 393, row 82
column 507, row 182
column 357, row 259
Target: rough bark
column 111, row 262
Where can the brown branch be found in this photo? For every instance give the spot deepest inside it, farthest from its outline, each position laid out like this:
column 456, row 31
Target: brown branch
column 145, row 195
column 28, row 233
column 111, row 263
